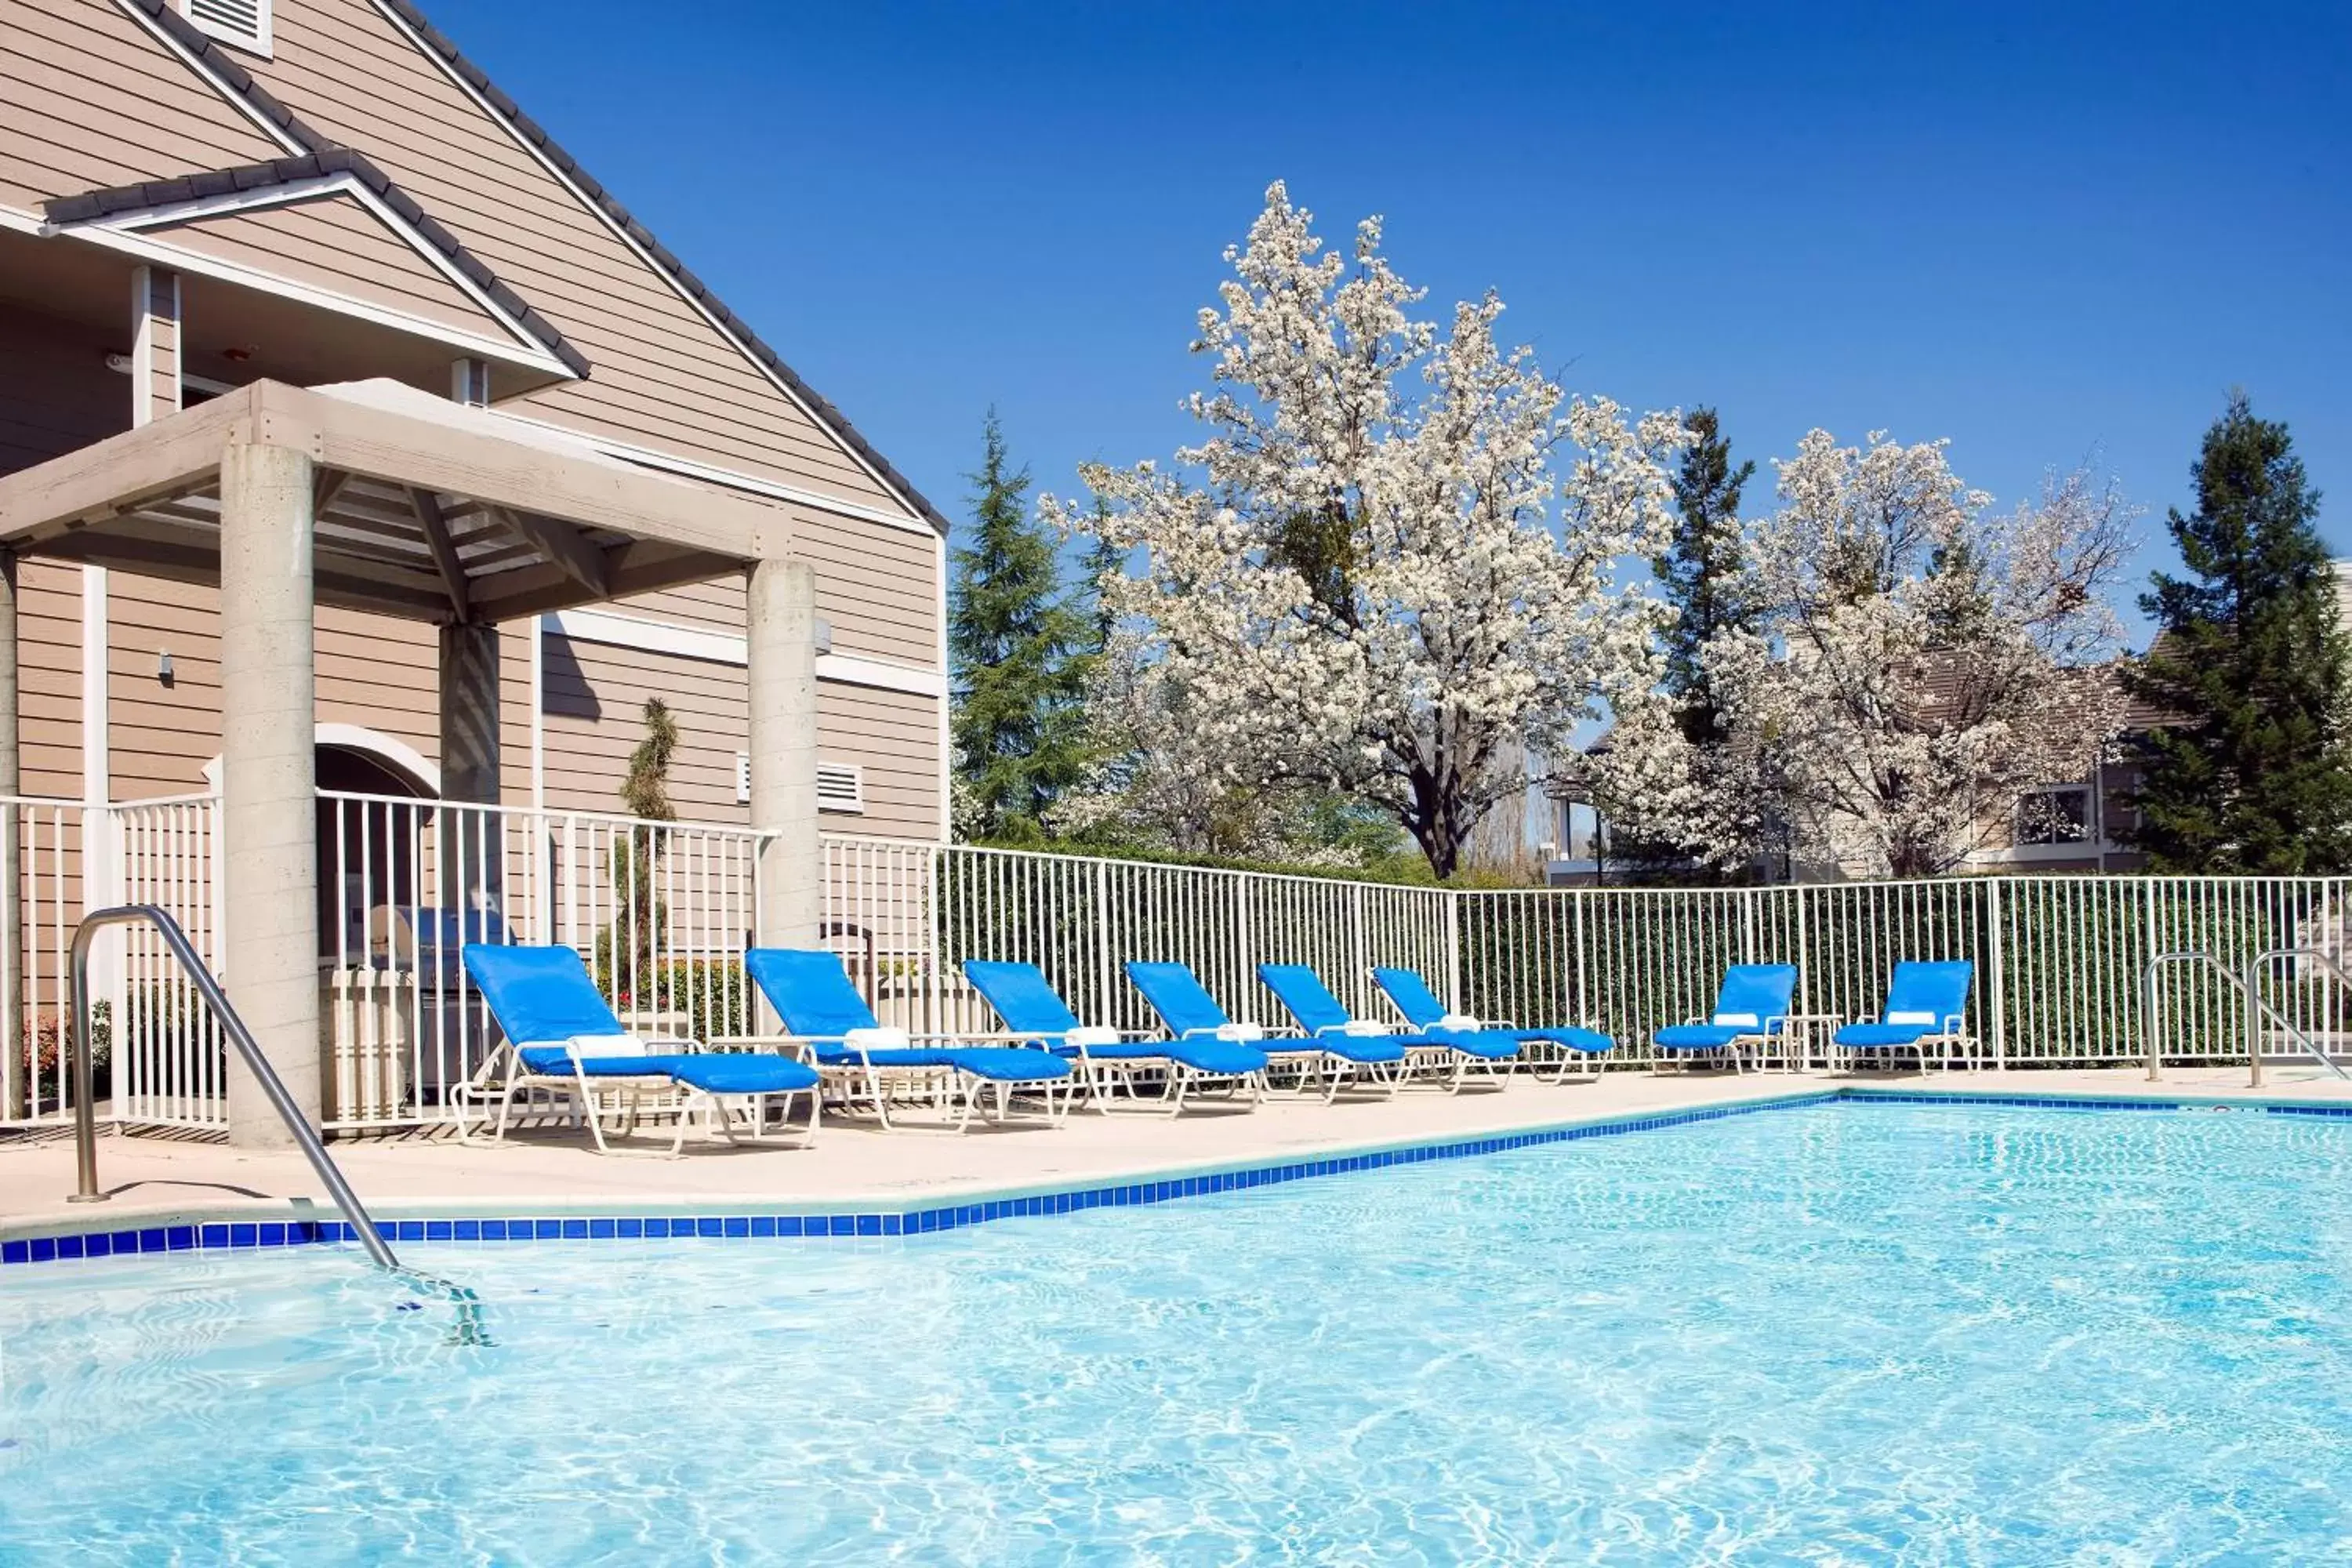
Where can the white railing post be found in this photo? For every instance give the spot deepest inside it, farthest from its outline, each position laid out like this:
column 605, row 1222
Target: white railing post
column 1996, row 975
column 1454, row 947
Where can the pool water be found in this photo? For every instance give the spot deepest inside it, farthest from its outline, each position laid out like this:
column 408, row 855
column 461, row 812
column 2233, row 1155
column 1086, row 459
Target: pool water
column 1837, row 1333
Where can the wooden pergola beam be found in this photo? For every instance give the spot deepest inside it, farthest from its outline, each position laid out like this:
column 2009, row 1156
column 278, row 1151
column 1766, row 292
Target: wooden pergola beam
column 427, row 507
column 563, row 546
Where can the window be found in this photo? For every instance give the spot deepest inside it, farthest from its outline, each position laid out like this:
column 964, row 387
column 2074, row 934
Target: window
column 244, row 23
column 2054, row 815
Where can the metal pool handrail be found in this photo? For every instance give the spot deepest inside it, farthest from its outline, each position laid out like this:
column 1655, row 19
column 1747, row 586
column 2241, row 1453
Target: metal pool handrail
column 2151, row 1007
column 2254, row 977
column 217, row 1001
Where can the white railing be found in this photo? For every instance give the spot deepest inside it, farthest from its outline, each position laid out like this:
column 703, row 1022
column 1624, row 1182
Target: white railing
column 663, row 911
column 907, row 915
column 157, row 1057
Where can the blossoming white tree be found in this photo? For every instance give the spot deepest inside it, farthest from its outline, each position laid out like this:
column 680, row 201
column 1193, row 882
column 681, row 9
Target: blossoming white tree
column 1923, row 662
column 1373, row 585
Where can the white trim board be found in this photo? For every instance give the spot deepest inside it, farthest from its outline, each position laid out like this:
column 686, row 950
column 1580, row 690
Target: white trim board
column 730, row 648
column 596, row 210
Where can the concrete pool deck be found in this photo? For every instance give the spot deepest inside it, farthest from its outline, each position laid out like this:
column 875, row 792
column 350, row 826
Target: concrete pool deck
column 856, row 1167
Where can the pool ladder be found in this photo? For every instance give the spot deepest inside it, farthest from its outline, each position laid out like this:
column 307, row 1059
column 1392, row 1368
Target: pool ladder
column 209, row 989
column 2245, row 983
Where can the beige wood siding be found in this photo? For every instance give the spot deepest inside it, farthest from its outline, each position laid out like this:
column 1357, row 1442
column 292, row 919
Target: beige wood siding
column 595, row 702
column 876, row 585
column 334, row 244
column 374, row 672
column 88, row 100
column 594, row 719
column 665, row 378
column 48, row 675
column 58, row 393
column 894, row 737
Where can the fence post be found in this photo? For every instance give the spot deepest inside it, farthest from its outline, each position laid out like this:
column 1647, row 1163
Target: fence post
column 1996, row 975
column 1359, row 959
column 1104, row 941
column 1453, row 948
column 935, row 909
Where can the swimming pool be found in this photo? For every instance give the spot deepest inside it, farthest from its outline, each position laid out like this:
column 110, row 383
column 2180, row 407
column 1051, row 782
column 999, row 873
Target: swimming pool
column 1835, row 1332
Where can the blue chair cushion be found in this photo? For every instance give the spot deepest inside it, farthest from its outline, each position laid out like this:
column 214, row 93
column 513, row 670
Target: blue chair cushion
column 1355, row 1048
column 716, row 1072
column 1866, row 1037
column 1700, row 1036
column 998, row 1064
column 1488, row 1045
column 1217, row 1058
column 1589, row 1041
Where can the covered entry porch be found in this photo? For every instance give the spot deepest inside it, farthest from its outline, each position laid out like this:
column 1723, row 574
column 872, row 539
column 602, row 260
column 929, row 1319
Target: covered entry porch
column 374, row 496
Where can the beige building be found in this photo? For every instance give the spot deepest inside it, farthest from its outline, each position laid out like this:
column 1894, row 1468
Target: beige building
column 364, row 470
column 196, row 194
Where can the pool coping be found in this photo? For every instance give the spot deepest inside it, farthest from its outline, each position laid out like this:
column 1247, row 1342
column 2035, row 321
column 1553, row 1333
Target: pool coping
column 248, row 1224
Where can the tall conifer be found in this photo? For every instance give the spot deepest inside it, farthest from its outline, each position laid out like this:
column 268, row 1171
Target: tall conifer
column 2249, row 662
column 1017, row 649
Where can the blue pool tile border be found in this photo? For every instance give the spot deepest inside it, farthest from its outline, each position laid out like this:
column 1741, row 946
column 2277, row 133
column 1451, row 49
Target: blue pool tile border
column 238, row 1235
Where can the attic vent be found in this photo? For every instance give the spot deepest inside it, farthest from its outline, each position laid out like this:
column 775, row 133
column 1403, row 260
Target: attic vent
column 840, row 787
column 244, row 23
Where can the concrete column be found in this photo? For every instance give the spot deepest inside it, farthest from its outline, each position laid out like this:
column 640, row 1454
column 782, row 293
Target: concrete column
column 781, row 628
column 472, row 866
column 269, row 851
column 11, row 870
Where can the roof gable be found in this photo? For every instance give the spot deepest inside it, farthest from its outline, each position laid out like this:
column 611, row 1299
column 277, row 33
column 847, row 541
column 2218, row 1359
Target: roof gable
column 330, row 223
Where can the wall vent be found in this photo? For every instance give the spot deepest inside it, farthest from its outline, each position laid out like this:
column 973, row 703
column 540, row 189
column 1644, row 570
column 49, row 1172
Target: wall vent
column 244, row 23
column 840, row 787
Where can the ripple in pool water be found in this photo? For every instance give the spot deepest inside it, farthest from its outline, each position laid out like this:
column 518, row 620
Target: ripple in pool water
column 1841, row 1333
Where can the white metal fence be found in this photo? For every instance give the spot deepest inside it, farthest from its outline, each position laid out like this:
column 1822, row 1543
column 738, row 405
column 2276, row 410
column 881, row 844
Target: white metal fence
column 157, row 1058
column 663, row 911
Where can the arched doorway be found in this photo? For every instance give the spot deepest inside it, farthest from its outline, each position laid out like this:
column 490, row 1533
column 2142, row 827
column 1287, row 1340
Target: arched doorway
column 367, row 858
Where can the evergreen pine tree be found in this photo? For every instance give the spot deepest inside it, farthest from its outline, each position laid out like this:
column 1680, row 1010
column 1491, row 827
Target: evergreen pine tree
column 1702, row 574
column 1701, row 570
column 2251, row 662
column 1018, row 651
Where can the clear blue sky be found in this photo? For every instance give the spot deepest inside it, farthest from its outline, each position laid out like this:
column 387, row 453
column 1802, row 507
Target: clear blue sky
column 2038, row 235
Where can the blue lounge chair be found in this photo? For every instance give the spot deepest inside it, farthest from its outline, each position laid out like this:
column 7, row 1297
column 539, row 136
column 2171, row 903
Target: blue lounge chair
column 1927, row 1005
column 1483, row 1042
column 563, row 1036
column 1032, row 1010
column 1189, row 1013
column 1371, row 1048
column 810, row 991
column 1752, row 1007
